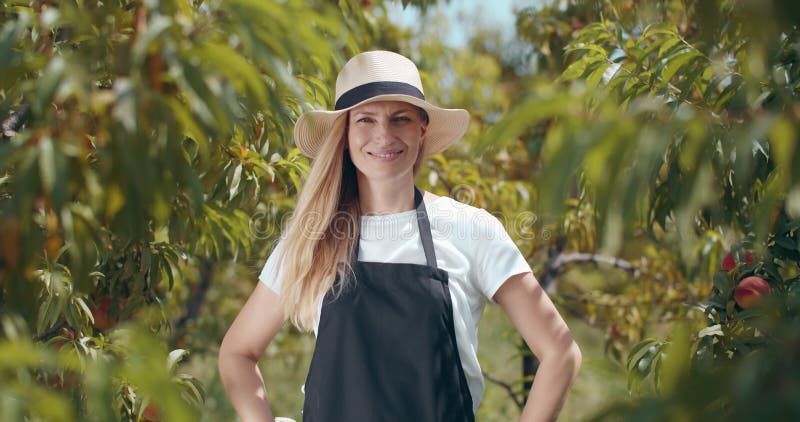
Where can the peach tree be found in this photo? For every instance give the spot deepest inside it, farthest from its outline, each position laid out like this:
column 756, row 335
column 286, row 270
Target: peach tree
column 139, row 140
column 668, row 141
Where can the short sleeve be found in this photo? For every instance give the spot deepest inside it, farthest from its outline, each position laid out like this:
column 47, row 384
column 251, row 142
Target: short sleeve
column 496, row 256
column 269, row 274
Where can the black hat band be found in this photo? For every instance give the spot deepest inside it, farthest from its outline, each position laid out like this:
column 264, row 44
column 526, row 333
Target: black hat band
column 373, row 89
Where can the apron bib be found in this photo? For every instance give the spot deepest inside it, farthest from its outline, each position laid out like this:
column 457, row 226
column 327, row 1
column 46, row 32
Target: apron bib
column 386, row 346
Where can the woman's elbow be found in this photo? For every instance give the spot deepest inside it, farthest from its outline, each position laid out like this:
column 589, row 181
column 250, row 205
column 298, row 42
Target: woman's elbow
column 573, row 358
column 567, row 359
column 223, row 357
column 230, row 353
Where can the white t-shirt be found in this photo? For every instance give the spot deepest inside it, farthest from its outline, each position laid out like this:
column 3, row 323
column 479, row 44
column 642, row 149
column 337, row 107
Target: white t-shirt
column 471, row 245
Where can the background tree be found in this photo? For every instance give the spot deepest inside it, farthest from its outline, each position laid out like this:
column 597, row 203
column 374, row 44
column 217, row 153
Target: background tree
column 675, row 123
column 140, row 139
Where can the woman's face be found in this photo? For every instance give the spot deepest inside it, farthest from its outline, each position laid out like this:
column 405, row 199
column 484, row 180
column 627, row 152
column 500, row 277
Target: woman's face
column 384, row 138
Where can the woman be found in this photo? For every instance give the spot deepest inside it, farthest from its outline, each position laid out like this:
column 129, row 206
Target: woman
column 392, row 280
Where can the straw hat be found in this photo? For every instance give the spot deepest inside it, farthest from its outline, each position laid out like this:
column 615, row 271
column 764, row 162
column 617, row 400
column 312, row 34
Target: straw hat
column 380, row 76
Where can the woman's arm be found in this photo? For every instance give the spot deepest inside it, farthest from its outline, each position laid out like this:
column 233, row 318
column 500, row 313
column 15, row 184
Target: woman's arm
column 244, row 343
column 547, row 335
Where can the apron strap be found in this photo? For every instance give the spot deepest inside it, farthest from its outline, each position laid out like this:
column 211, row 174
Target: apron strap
column 424, row 232
column 424, row 229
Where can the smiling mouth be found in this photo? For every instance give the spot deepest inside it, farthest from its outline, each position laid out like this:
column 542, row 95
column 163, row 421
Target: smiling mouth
column 386, row 156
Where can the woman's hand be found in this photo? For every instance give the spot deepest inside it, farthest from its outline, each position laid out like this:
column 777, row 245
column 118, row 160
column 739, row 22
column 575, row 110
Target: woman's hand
column 244, row 343
column 547, row 335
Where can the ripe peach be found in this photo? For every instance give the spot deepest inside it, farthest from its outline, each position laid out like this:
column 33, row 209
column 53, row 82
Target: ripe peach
column 102, row 320
column 151, row 413
column 729, row 262
column 751, row 291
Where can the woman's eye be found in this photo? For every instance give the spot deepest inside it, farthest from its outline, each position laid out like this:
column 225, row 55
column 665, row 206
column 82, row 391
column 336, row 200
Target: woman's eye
column 363, row 120
column 402, row 119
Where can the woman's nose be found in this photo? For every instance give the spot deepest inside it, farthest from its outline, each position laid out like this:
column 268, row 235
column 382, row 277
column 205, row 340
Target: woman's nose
column 383, row 130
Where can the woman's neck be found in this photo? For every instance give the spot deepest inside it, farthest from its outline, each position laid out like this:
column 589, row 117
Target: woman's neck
column 377, row 197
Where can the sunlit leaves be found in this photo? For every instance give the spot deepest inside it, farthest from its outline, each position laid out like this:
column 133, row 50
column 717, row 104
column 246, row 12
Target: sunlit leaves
column 648, row 87
column 146, row 137
column 643, row 359
column 672, row 121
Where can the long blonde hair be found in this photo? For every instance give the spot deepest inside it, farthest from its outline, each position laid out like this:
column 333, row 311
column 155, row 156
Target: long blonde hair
column 319, row 235
column 322, row 234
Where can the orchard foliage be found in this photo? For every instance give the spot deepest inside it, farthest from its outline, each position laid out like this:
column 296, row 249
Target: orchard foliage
column 674, row 123
column 748, row 347
column 661, row 128
column 139, row 141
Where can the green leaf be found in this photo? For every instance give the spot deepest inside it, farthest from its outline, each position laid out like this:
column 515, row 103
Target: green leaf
column 198, row 142
column 783, row 142
column 785, row 243
column 639, row 350
column 84, row 309
column 8, row 38
column 772, row 270
column 714, row 330
column 167, row 270
column 595, row 73
column 194, row 391
column 640, row 361
column 670, row 47
column 645, row 364
column 727, row 93
column 205, row 105
column 660, row 28
column 588, row 47
column 47, row 164
column 689, row 81
column 678, row 62
column 235, row 181
column 722, row 282
column 239, row 71
column 174, row 358
column 47, row 86
column 578, row 68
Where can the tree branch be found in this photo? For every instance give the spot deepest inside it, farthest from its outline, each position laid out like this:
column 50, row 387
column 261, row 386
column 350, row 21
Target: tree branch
column 510, row 390
column 52, row 331
column 556, row 267
column 197, row 299
column 14, row 122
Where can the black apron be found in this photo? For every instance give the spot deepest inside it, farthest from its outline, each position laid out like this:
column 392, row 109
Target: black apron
column 386, row 346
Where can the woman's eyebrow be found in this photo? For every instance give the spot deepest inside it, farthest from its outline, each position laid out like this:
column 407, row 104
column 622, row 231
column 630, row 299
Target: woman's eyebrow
column 372, row 113
column 403, row 110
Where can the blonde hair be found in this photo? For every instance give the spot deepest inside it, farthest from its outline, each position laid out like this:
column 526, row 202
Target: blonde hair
column 322, row 234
